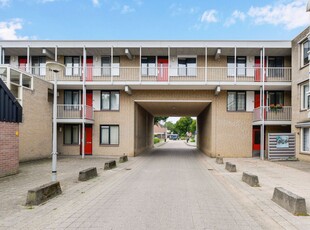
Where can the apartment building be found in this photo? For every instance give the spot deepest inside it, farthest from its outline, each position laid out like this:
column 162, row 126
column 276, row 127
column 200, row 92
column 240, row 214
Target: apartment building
column 300, row 94
column 108, row 93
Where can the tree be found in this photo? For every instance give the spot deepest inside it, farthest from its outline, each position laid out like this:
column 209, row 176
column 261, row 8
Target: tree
column 158, row 119
column 183, row 125
column 193, row 126
column 170, row 126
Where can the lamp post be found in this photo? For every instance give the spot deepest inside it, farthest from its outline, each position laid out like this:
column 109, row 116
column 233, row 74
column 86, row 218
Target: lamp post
column 54, row 152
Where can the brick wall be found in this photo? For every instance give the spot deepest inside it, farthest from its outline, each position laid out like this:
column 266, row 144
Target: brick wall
column 9, row 158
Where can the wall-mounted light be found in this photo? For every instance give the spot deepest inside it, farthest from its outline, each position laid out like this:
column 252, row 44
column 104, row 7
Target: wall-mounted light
column 128, row 54
column 13, row 58
column 96, row 58
column 218, row 54
column 60, row 129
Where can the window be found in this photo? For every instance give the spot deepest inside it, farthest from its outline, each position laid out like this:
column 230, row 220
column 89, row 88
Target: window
column 187, row 66
column 305, row 99
column 275, row 67
column 110, row 100
column 276, row 97
column 236, row 101
column 71, row 134
column 38, row 66
column 305, row 139
column 305, row 49
column 73, row 66
column 148, row 66
column 72, row 99
column 106, row 66
column 7, row 60
column 241, row 66
column 109, row 134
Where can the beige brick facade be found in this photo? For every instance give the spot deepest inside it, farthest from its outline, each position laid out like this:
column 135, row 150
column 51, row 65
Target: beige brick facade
column 9, row 139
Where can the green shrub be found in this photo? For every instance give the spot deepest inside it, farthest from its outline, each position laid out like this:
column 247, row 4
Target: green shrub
column 156, row 140
column 192, row 140
column 183, row 138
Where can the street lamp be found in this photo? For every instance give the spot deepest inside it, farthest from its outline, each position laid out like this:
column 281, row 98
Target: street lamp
column 54, row 151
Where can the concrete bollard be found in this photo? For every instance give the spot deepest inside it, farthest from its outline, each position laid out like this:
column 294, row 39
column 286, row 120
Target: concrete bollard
column 250, row 179
column 290, row 201
column 123, row 159
column 230, row 167
column 219, row 160
column 43, row 193
column 87, row 174
column 109, row 165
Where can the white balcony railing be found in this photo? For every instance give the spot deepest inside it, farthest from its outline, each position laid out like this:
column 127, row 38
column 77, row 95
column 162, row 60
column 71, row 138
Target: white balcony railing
column 74, row 112
column 166, row 74
column 272, row 113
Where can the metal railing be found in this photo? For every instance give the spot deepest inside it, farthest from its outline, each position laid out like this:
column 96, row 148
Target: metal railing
column 280, row 113
column 166, row 74
column 67, row 111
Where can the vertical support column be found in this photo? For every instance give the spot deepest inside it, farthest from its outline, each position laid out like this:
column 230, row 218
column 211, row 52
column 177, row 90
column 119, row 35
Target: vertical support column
column 28, row 59
column 54, row 151
column 20, row 88
column 1, row 62
column 111, row 64
column 140, row 65
column 235, row 60
column 8, row 78
column 3, row 55
column 56, row 53
column 262, row 130
column 168, row 64
column 206, row 64
column 84, row 102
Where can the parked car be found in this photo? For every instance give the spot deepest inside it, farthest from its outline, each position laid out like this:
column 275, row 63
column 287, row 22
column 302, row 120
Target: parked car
column 174, row 137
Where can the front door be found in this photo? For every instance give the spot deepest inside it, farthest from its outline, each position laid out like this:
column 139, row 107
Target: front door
column 22, row 63
column 162, row 65
column 89, row 104
column 88, row 150
column 89, row 68
column 256, row 138
column 258, row 69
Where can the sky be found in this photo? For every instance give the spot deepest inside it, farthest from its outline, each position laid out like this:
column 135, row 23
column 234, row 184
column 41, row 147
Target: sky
column 152, row 20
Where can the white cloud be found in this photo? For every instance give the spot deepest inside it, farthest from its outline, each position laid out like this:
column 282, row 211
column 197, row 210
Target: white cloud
column 236, row 15
column 292, row 14
column 9, row 28
column 95, row 2
column 127, row 9
column 4, row 3
column 179, row 9
column 209, row 16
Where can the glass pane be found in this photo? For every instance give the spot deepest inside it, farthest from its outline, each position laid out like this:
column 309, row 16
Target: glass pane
column 305, row 52
column 231, row 101
column 106, row 60
column 104, row 135
column 191, row 69
column 75, row 134
column 306, row 139
column 105, row 101
column 241, row 101
column 114, row 100
column 152, row 69
column 305, row 98
column 114, row 135
column 68, row 97
column 144, row 69
column 67, row 134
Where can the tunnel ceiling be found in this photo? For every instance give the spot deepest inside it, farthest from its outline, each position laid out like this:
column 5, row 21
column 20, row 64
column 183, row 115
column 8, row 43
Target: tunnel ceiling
column 174, row 108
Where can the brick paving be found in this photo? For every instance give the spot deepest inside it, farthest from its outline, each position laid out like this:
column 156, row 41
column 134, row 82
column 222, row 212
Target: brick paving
column 172, row 187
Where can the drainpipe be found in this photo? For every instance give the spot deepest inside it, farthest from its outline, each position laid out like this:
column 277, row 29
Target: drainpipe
column 28, row 59
column 1, row 55
column 84, row 102
column 235, row 65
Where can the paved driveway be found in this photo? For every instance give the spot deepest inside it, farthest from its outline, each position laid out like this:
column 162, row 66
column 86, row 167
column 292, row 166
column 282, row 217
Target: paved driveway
column 172, row 187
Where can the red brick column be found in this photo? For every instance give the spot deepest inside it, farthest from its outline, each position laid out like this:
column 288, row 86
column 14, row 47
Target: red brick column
column 9, row 151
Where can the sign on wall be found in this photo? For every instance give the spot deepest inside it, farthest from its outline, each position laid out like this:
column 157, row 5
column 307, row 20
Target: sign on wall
column 281, row 145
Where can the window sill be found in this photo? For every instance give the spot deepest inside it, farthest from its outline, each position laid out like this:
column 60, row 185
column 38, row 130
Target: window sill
column 304, row 153
column 106, row 145
column 71, row 145
column 304, row 66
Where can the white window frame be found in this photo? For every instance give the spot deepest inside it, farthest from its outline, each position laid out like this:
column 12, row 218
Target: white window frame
column 79, row 134
column 187, row 56
column 302, row 53
column 302, row 141
column 303, row 97
column 109, row 130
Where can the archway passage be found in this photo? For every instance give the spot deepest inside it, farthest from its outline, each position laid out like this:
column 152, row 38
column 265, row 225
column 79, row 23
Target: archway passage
column 146, row 110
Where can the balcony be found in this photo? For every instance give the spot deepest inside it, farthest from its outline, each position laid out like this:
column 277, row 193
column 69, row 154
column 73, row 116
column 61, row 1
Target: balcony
column 74, row 113
column 164, row 74
column 273, row 115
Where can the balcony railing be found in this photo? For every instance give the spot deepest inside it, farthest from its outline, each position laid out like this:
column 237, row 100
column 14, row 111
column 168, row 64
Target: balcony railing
column 283, row 113
column 166, row 74
column 74, row 112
